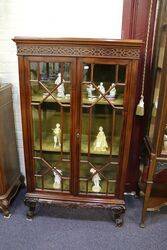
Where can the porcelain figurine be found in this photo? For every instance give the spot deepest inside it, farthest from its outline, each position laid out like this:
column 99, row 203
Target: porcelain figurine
column 101, row 89
column 165, row 142
column 57, row 136
column 60, row 89
column 100, row 143
column 57, row 178
column 113, row 91
column 90, row 89
column 96, row 181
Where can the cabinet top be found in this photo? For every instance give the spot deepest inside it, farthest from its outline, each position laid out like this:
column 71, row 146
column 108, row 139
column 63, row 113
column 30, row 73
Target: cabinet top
column 84, row 41
column 78, row 47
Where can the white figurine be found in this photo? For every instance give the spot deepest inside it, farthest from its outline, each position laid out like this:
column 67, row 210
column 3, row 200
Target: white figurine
column 90, row 89
column 100, row 143
column 101, row 89
column 165, row 142
column 96, row 179
column 57, row 136
column 60, row 89
column 57, row 178
column 113, row 91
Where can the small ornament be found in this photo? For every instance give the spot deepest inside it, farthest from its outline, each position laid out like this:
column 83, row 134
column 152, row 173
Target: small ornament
column 154, row 109
column 100, row 143
column 96, row 179
column 57, row 136
column 67, row 96
column 140, row 107
column 60, row 89
column 113, row 91
column 57, row 178
column 101, row 89
column 165, row 142
column 90, row 89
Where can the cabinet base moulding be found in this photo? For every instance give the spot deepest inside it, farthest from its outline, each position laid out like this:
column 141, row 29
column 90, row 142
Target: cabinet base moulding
column 117, row 207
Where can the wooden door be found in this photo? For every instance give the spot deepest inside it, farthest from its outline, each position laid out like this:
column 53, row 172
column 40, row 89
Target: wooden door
column 50, row 103
column 105, row 87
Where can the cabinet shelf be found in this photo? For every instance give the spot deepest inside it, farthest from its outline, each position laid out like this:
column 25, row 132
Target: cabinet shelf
column 48, row 146
column 39, row 98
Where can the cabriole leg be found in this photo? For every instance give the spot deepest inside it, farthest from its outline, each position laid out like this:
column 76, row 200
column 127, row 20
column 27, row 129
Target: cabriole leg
column 5, row 210
column 117, row 215
column 31, row 205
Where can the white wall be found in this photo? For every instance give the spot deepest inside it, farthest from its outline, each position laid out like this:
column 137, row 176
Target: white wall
column 50, row 18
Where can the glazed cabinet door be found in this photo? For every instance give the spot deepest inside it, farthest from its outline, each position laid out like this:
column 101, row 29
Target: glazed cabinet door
column 50, row 85
column 104, row 92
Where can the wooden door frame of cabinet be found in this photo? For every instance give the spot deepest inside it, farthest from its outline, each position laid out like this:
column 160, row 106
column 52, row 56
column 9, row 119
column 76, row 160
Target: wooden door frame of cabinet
column 25, row 128
column 134, row 26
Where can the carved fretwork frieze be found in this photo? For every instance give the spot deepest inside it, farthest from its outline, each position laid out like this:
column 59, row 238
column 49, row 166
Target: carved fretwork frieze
column 78, row 51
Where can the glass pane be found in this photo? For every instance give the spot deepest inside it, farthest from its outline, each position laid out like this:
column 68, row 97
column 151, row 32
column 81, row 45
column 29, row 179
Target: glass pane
column 51, row 172
column 34, row 71
column 155, row 106
column 101, row 181
column 51, row 124
column 104, row 73
column 102, row 123
column 161, row 166
column 94, row 92
column 53, row 82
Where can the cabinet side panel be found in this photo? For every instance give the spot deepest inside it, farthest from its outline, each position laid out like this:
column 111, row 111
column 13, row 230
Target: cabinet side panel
column 129, row 126
column 8, row 149
column 25, row 124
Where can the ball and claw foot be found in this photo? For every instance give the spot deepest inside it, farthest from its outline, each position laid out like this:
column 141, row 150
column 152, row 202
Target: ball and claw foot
column 117, row 213
column 142, row 225
column 5, row 211
column 7, row 215
column 29, row 215
column 30, row 212
column 119, row 222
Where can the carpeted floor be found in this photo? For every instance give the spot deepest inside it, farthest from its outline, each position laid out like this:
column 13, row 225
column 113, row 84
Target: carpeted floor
column 77, row 229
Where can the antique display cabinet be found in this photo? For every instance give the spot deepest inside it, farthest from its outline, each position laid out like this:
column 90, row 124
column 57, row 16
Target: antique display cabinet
column 78, row 103
column 153, row 181
column 10, row 177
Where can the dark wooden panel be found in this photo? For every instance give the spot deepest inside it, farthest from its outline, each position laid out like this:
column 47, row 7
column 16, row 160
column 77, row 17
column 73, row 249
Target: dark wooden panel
column 9, row 163
column 135, row 26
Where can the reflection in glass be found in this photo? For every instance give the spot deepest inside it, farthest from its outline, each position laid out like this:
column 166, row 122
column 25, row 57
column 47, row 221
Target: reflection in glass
column 122, row 73
column 34, row 71
column 86, row 72
column 104, row 73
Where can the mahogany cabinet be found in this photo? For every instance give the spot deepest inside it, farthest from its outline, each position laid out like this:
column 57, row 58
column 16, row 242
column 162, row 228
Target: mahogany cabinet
column 10, row 177
column 153, row 181
column 78, row 103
